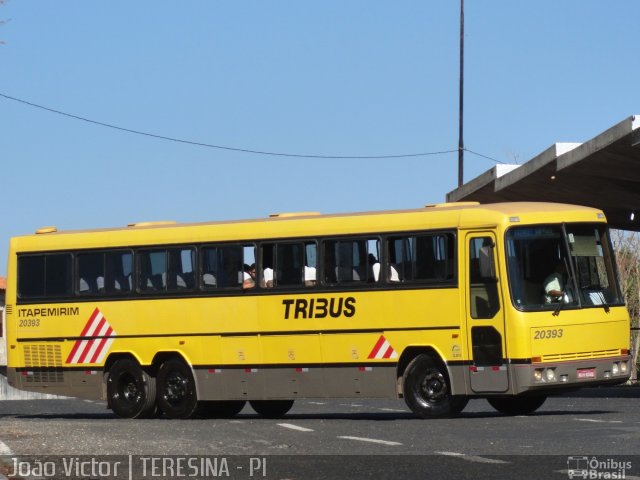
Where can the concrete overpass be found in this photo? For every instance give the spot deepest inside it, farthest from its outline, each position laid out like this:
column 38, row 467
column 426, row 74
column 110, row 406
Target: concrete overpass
column 603, row 172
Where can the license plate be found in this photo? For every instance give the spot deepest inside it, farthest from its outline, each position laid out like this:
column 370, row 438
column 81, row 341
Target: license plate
column 587, row 373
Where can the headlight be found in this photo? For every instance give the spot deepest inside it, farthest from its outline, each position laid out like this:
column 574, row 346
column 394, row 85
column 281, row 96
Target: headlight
column 537, row 374
column 623, row 367
column 551, row 375
column 616, row 368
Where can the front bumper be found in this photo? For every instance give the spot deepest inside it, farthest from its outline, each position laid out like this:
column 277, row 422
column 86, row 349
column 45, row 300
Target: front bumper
column 538, row 377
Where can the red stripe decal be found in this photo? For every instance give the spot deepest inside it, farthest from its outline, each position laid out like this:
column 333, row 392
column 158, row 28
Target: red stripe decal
column 82, row 334
column 85, row 351
column 388, row 353
column 374, row 352
column 101, row 345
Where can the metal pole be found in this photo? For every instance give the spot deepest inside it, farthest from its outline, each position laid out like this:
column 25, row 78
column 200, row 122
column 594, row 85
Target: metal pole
column 461, row 113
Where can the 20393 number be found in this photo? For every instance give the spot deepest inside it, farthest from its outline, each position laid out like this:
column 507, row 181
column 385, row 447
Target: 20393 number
column 30, row 322
column 546, row 334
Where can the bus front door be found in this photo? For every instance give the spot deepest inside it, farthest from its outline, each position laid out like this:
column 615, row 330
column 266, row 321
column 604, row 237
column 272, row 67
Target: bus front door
column 485, row 317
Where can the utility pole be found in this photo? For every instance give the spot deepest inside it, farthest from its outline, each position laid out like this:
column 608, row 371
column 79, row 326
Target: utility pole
column 461, row 112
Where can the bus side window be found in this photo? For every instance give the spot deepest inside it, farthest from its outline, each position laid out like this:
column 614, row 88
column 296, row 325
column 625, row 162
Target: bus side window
column 90, row 273
column 181, row 261
column 152, row 268
column 289, row 264
column 422, row 258
column 118, row 272
column 310, row 264
column 45, row 275
column 267, row 265
column 347, row 261
column 220, row 266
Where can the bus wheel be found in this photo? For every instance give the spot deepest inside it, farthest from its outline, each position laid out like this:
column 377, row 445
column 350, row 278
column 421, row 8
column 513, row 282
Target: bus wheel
column 176, row 389
column 427, row 390
column 517, row 405
column 271, row 408
column 131, row 390
column 220, row 408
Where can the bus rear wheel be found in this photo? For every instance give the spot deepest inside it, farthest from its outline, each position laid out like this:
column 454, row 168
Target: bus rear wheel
column 271, row 408
column 220, row 408
column 427, row 391
column 517, row 405
column 177, row 396
column 131, row 391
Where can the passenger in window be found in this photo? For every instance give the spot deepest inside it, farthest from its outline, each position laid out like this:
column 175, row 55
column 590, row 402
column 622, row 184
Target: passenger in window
column 309, row 276
column 267, row 278
column 249, row 277
column 554, row 285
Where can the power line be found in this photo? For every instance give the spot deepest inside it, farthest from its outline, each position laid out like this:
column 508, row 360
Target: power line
column 222, row 147
column 484, row 156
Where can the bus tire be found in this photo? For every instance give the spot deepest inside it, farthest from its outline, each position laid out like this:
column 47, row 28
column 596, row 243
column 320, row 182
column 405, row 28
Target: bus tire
column 177, row 396
column 131, row 390
column 517, row 405
column 427, row 391
column 220, row 408
column 271, row 408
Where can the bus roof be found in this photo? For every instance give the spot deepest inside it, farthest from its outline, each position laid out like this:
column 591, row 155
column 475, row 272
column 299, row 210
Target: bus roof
column 439, row 216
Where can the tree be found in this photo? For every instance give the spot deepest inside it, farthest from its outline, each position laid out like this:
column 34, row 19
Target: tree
column 627, row 248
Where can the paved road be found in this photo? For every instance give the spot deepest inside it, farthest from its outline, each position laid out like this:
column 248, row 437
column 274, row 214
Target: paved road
column 350, row 439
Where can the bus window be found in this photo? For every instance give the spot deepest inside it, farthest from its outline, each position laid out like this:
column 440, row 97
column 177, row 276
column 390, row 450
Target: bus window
column 248, row 274
column 90, row 273
column 181, row 276
column 118, row 272
column 267, row 265
column 45, row 275
column 347, row 261
column 483, row 288
column 283, row 265
column 310, row 264
column 31, row 276
column 222, row 266
column 594, row 265
column 422, row 258
column 152, row 271
column 289, row 264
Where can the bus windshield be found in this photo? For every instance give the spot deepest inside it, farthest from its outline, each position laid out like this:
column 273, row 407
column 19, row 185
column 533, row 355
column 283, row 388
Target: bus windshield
column 561, row 266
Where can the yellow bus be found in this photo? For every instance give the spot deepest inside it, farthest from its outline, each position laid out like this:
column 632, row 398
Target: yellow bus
column 511, row 302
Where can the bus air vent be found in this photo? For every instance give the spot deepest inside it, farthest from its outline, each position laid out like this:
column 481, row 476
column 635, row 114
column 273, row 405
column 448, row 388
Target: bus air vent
column 46, row 359
column 152, row 224
column 451, row 204
column 44, row 230
column 293, row 214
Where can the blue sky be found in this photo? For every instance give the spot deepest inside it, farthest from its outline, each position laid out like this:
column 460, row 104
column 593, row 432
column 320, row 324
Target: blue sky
column 338, row 78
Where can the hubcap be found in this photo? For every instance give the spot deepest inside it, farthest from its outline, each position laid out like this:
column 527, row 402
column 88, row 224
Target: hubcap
column 434, row 387
column 176, row 386
column 128, row 389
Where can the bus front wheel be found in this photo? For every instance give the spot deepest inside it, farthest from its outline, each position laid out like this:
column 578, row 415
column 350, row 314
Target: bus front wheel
column 271, row 408
column 131, row 390
column 517, row 405
column 177, row 396
column 427, row 391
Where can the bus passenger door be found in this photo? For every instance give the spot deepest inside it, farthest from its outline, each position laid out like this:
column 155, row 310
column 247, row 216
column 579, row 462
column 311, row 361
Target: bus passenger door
column 484, row 316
